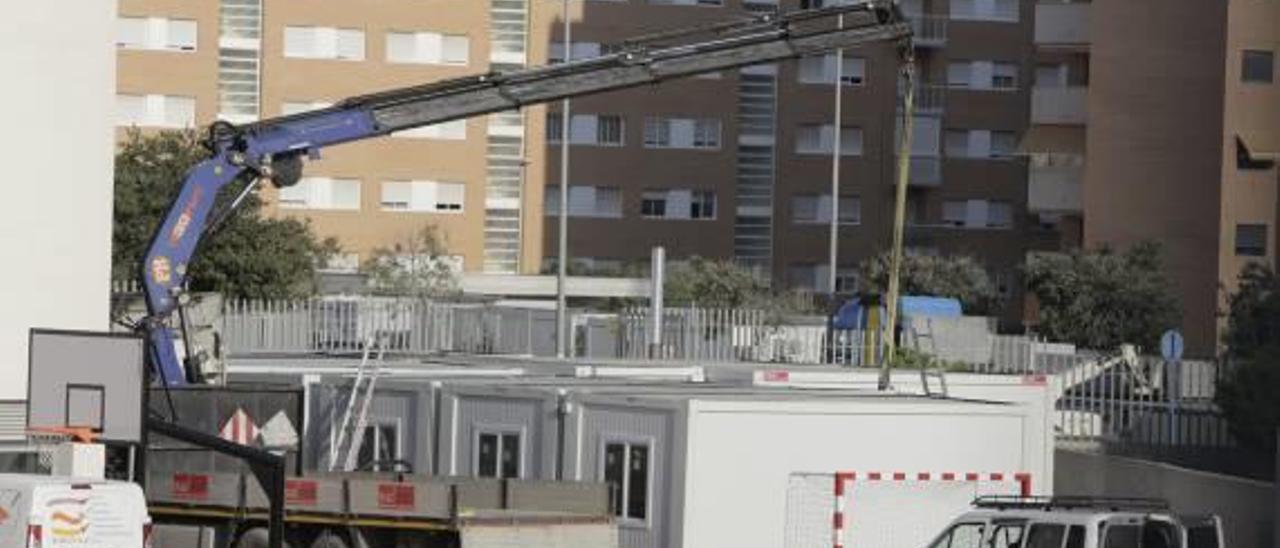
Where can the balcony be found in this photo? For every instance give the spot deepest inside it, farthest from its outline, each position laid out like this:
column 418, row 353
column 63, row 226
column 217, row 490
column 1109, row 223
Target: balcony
column 929, row 99
column 929, row 31
column 1055, row 189
column 1059, row 105
column 1062, row 25
column 926, row 171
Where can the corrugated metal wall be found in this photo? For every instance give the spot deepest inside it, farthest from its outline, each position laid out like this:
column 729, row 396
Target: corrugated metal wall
column 529, row 415
column 604, row 423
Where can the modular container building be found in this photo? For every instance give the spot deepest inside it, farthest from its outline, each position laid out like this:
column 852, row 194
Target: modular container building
column 701, row 464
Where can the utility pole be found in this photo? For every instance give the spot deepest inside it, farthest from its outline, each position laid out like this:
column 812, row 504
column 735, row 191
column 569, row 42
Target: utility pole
column 899, row 211
column 562, row 256
column 832, row 252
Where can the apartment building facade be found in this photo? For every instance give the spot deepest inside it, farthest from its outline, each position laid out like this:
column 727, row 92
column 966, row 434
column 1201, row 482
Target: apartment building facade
column 1157, row 121
column 184, row 64
column 734, row 165
column 738, row 165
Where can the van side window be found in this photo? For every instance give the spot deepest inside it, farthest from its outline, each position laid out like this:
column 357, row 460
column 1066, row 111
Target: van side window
column 1007, row 534
column 1122, row 536
column 1159, row 534
column 1045, row 535
column 963, row 535
column 1075, row 537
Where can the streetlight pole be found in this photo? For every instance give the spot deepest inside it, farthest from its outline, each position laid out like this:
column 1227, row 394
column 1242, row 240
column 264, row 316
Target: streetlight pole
column 835, row 170
column 562, row 256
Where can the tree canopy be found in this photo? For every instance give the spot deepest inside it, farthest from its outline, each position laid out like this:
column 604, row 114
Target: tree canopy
column 957, row 276
column 1101, row 299
column 1247, row 392
column 417, row 266
column 251, row 256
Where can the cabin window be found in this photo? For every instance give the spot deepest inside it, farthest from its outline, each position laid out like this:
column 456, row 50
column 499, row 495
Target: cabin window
column 498, row 454
column 626, row 470
column 1045, row 535
column 380, row 446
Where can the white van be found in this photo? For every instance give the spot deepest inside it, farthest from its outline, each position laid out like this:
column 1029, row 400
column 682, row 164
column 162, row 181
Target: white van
column 50, row 512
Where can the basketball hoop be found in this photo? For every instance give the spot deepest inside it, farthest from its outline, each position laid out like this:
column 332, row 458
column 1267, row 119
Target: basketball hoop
column 46, row 439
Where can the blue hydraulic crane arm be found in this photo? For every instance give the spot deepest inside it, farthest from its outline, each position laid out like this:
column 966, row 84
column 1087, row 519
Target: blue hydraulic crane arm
column 274, row 148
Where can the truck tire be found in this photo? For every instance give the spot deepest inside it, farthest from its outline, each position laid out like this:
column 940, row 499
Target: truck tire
column 255, row 538
column 330, row 539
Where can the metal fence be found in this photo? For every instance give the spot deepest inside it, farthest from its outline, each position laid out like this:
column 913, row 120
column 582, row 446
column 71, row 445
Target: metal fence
column 405, row 325
column 728, row 335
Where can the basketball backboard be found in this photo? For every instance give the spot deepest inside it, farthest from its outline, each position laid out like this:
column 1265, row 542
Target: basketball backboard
column 83, row 379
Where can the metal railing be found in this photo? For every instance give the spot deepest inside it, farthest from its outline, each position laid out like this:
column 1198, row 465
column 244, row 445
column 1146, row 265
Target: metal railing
column 341, row 325
column 929, row 30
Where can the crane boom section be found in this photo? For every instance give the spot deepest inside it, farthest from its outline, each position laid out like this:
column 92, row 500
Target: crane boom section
column 274, row 148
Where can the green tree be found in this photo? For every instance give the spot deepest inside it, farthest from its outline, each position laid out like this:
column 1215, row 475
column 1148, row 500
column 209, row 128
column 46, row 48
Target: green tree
column 1247, row 393
column 1101, row 299
column 1253, row 312
column 958, row 276
column 711, row 283
column 418, row 266
column 251, row 256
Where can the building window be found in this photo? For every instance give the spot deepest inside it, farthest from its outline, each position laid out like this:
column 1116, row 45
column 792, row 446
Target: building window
column 455, row 130
column 577, row 50
column 678, row 204
column 498, row 454
column 985, row 10
column 687, row 133
column 653, row 204
column 289, row 108
column 977, row 214
column 380, row 447
column 626, row 470
column 983, row 75
column 423, row 196
column 156, row 33
column 431, row 48
column 687, row 2
column 324, row 43
column 586, row 201
column 980, row 143
column 587, row 129
column 164, row 111
column 322, row 193
column 820, row 139
column 1251, row 240
column 1257, row 66
column 822, row 70
column 816, row 208
column 702, row 205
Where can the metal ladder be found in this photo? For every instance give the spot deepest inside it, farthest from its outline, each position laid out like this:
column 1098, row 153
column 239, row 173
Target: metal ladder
column 927, row 372
column 351, row 433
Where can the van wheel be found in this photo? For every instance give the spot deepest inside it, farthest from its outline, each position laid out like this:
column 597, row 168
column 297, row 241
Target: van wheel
column 255, row 538
column 329, row 539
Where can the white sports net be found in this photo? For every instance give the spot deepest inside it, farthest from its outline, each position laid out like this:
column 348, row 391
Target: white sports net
column 811, row 501
column 883, row 513
column 44, row 444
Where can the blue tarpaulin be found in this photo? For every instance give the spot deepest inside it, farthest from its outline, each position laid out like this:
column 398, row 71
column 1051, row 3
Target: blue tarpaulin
column 853, row 314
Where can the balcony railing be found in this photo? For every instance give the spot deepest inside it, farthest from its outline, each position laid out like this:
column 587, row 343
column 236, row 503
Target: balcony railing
column 930, row 98
column 1062, row 25
column 1055, row 189
column 929, row 30
column 926, row 171
column 1059, row 105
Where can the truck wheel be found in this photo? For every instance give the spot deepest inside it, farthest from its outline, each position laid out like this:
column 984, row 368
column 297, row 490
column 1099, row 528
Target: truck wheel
column 255, row 538
column 330, row 539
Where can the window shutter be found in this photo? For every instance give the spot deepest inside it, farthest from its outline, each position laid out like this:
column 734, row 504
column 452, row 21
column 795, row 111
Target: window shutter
column 299, row 42
column 350, row 44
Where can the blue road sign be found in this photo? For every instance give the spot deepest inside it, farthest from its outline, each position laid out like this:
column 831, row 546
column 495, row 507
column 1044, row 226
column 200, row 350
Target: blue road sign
column 1172, row 345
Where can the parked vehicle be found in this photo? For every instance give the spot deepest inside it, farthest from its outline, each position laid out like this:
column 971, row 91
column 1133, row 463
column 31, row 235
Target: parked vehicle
column 1078, row 522
column 48, row 512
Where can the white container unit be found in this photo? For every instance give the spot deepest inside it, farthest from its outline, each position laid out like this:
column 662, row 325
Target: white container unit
column 707, row 466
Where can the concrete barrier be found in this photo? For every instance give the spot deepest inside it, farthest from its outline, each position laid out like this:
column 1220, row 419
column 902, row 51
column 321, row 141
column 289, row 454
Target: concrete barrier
column 1247, row 507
